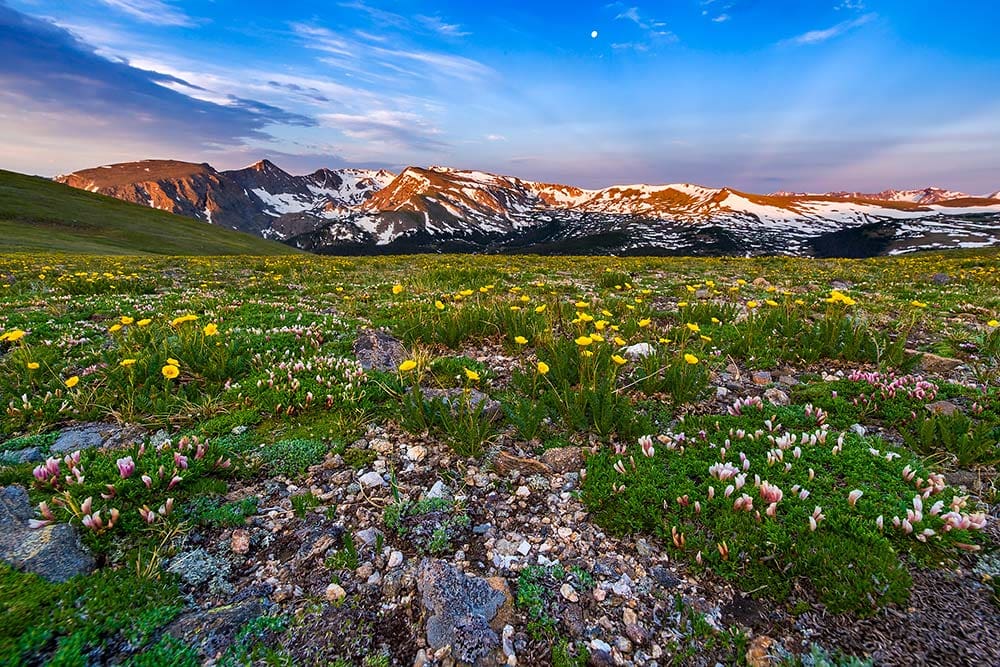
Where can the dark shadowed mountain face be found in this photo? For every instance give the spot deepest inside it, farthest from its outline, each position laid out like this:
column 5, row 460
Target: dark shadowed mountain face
column 440, row 209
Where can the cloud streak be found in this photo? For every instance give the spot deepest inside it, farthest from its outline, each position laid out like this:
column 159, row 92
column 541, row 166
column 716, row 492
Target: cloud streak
column 820, row 36
column 47, row 69
column 399, row 129
column 152, row 11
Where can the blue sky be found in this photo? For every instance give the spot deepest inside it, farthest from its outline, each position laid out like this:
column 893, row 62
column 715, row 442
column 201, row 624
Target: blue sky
column 754, row 94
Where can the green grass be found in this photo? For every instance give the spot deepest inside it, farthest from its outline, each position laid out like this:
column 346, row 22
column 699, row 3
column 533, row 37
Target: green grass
column 268, row 383
column 39, row 215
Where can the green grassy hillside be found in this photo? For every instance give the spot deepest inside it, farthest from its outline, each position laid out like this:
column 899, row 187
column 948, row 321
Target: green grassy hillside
column 37, row 214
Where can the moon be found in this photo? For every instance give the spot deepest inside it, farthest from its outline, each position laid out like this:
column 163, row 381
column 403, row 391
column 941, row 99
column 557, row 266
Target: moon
column 593, row 35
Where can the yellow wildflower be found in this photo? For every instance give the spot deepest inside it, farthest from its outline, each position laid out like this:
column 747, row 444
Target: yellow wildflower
column 407, row 366
column 543, row 368
column 170, row 371
column 584, row 341
column 125, row 319
column 115, row 328
column 645, row 323
column 540, row 309
column 690, row 358
column 918, row 304
column 439, row 305
column 993, row 323
column 471, row 374
column 397, row 289
column 752, row 304
column 211, row 329
column 33, row 366
column 12, row 336
column 520, row 340
column 597, row 337
column 143, row 323
column 72, row 382
column 173, row 362
column 693, row 327
column 618, row 359
column 177, row 321
column 125, row 363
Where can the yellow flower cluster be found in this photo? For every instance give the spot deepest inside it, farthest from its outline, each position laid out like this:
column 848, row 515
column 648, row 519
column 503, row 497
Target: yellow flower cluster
column 12, row 336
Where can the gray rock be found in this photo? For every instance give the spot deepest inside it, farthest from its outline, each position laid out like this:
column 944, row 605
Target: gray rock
column 456, row 397
column 214, row 630
column 639, row 350
column 15, row 508
column 665, row 577
column 788, row 380
column 53, row 552
column 82, row 437
column 460, row 609
column 642, row 548
column 439, row 490
column 198, row 566
column 941, row 278
column 859, row 429
column 96, row 434
column 19, row 456
column 371, row 480
column 378, row 350
column 762, row 378
column 369, row 536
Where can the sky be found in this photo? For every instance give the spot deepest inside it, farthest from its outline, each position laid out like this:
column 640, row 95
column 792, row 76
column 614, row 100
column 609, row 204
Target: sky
column 759, row 95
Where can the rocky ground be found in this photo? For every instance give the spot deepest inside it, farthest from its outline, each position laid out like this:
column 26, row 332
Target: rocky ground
column 359, row 588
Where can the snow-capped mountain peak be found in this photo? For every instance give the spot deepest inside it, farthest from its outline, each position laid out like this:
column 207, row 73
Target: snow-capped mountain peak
column 357, row 208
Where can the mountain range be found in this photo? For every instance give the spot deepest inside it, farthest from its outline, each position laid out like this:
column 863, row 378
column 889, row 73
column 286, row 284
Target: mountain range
column 442, row 209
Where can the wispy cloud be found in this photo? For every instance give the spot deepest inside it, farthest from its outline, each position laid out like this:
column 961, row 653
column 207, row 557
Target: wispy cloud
column 365, row 56
column 157, row 12
column 721, row 18
column 398, row 129
column 440, row 26
column 655, row 31
column 851, row 5
column 820, row 36
column 49, row 71
column 642, row 47
column 495, row 137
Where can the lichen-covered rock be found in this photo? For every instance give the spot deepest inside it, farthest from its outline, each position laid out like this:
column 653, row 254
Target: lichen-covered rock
column 378, row 350
column 53, row 552
column 461, row 608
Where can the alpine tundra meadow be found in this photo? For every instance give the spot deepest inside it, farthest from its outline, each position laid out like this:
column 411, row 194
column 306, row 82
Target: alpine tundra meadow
column 380, row 411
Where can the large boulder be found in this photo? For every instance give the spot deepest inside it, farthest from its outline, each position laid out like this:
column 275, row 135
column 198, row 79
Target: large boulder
column 54, row 552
